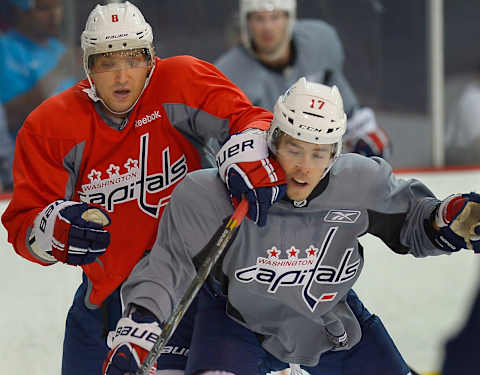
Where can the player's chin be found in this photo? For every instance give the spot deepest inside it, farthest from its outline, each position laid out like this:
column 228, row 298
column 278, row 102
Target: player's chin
column 298, row 194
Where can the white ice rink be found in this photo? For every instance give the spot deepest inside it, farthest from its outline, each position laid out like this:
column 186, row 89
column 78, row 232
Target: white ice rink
column 421, row 301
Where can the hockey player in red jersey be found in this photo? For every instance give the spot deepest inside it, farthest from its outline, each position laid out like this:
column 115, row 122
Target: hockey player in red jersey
column 95, row 166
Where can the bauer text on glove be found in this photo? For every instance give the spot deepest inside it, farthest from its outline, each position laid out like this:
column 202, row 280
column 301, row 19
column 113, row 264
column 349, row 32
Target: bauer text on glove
column 130, row 343
column 246, row 168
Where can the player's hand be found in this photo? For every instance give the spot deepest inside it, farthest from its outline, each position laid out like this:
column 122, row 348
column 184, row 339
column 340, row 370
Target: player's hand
column 457, row 223
column 373, row 144
column 72, row 232
column 254, row 181
column 246, row 168
column 365, row 137
column 133, row 338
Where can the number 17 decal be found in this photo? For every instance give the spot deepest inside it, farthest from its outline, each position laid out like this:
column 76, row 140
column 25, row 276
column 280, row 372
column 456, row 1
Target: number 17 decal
column 320, row 103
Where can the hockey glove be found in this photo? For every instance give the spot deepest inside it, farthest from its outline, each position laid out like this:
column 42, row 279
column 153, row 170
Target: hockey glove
column 70, row 232
column 365, row 137
column 246, row 168
column 456, row 223
column 133, row 338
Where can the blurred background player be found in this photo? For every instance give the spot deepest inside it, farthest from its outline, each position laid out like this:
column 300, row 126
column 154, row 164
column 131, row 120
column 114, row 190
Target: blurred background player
column 282, row 294
column 462, row 138
column 276, row 50
column 96, row 164
column 34, row 62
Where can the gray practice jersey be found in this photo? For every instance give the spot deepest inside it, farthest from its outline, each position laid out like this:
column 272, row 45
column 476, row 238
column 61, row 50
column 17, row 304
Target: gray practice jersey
column 286, row 281
column 319, row 58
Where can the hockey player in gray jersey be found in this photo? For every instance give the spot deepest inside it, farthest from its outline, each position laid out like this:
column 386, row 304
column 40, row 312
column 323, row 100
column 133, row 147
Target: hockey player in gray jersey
column 276, row 50
column 282, row 294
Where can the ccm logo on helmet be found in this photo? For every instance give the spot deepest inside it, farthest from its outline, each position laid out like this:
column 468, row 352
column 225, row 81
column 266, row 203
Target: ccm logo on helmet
column 310, row 128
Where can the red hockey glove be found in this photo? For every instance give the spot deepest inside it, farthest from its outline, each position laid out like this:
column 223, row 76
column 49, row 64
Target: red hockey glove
column 457, row 223
column 261, row 182
column 246, row 168
column 133, row 338
column 71, row 232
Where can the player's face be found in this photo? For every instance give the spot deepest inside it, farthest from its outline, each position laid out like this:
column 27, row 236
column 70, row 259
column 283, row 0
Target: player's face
column 303, row 163
column 268, row 30
column 119, row 77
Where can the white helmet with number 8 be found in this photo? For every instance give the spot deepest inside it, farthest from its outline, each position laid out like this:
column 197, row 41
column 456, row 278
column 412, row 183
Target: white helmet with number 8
column 248, row 6
column 310, row 112
column 112, row 28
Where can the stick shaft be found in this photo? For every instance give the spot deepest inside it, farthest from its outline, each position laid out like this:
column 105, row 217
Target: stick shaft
column 192, row 290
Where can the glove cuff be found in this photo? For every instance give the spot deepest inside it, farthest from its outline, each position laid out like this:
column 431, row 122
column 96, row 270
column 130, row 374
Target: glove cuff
column 250, row 145
column 40, row 238
column 128, row 331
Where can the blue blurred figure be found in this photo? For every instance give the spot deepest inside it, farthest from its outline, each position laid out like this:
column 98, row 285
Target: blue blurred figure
column 34, row 63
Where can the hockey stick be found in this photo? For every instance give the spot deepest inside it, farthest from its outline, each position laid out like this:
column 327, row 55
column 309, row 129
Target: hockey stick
column 213, row 254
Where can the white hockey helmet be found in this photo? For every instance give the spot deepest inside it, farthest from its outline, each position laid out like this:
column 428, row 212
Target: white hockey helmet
column 310, row 112
column 248, row 6
column 111, row 28
column 115, row 27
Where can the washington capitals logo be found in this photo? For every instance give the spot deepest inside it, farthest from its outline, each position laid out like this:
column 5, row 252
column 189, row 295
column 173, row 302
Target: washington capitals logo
column 294, row 270
column 131, row 181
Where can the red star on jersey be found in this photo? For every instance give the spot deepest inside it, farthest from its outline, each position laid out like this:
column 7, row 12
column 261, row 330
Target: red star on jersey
column 273, row 252
column 292, row 253
column 311, row 251
column 94, row 175
column 130, row 164
column 113, row 170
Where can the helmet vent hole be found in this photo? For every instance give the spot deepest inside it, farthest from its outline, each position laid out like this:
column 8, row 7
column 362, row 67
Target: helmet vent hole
column 124, row 44
column 313, row 114
column 299, row 134
column 290, row 120
column 330, row 130
column 110, row 46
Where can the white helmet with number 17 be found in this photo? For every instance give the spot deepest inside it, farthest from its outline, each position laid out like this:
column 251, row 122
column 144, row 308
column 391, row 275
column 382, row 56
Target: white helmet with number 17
column 310, row 112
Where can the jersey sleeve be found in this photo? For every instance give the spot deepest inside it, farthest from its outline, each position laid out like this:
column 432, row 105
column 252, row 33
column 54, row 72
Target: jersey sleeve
column 398, row 209
column 160, row 279
column 215, row 106
column 41, row 176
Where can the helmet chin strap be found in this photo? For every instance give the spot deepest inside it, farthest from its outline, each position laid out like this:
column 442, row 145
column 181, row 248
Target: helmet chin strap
column 92, row 94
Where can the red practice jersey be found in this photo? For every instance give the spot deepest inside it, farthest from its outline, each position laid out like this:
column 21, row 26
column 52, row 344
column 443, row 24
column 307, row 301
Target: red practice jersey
column 65, row 150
